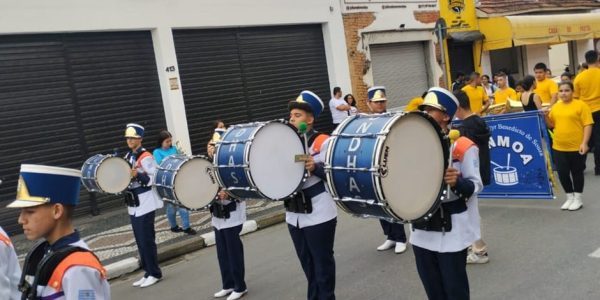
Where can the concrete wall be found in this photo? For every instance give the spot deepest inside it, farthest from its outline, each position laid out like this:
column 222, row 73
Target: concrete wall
column 161, row 16
column 384, row 22
column 535, row 54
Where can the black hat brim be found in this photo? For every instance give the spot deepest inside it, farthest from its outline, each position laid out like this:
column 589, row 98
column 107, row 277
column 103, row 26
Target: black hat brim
column 300, row 105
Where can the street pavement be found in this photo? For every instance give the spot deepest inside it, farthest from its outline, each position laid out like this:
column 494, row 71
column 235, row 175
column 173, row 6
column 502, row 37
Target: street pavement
column 536, row 251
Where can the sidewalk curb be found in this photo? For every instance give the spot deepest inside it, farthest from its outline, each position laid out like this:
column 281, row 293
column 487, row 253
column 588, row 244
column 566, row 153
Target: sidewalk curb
column 167, row 252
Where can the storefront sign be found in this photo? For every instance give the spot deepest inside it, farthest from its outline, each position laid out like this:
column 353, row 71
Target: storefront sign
column 459, row 14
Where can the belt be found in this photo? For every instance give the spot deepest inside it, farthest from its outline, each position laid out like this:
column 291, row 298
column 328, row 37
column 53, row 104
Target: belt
column 140, row 190
column 314, row 190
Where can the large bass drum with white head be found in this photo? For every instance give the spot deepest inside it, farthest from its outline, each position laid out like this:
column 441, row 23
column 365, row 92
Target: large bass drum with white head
column 257, row 161
column 389, row 166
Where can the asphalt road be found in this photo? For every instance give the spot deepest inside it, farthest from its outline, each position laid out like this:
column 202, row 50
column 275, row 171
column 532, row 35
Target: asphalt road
column 536, row 251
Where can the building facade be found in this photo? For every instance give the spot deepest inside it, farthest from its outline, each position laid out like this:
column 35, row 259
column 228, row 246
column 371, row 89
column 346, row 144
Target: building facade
column 73, row 73
column 392, row 43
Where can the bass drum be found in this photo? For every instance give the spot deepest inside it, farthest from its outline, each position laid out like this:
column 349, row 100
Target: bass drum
column 257, row 161
column 186, row 181
column 106, row 174
column 389, row 166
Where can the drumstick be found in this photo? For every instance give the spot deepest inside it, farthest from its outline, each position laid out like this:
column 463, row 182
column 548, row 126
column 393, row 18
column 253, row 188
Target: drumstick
column 495, row 164
column 453, row 135
column 508, row 162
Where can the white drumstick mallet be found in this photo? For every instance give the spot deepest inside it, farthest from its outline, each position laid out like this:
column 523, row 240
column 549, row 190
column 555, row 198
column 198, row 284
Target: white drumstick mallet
column 453, row 135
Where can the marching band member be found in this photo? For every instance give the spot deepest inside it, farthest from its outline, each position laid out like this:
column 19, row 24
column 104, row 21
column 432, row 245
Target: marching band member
column 440, row 243
column 312, row 215
column 10, row 271
column 61, row 266
column 228, row 217
column 396, row 237
column 142, row 203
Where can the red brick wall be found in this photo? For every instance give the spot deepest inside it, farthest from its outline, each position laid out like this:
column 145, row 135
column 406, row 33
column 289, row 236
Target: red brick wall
column 357, row 60
column 427, row 16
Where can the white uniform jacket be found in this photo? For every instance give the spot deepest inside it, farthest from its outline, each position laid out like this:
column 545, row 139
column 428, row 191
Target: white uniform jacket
column 236, row 217
column 10, row 271
column 465, row 225
column 323, row 206
column 149, row 201
column 78, row 282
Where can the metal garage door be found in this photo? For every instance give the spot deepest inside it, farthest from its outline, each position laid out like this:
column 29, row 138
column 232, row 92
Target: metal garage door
column 402, row 68
column 65, row 97
column 248, row 74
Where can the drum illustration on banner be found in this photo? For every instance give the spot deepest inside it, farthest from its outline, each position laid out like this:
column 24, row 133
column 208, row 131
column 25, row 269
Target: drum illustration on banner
column 505, row 175
column 518, row 150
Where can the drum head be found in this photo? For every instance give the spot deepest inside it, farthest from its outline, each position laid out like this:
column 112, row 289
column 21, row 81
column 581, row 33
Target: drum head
column 415, row 165
column 272, row 160
column 113, row 175
column 195, row 184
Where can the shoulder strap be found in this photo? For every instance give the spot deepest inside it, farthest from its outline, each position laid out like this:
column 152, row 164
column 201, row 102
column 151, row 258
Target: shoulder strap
column 5, row 239
column 141, row 157
column 316, row 141
column 76, row 258
column 30, row 268
column 460, row 148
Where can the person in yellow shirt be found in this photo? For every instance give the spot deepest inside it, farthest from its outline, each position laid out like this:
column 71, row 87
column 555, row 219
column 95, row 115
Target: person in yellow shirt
column 546, row 88
column 572, row 122
column 587, row 89
column 504, row 92
column 477, row 96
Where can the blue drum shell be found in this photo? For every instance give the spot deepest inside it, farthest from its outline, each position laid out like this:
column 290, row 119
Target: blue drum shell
column 88, row 173
column 230, row 159
column 164, row 181
column 362, row 156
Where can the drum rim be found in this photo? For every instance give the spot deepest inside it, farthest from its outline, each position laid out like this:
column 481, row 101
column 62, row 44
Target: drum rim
column 445, row 143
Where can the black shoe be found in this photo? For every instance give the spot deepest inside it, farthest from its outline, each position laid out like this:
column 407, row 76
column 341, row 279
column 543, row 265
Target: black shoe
column 190, row 231
column 176, row 229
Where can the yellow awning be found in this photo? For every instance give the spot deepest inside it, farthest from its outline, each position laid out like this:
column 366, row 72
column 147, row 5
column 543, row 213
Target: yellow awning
column 505, row 32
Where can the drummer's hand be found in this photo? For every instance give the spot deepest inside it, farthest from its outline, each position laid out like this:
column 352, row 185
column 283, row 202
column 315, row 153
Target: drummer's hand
column 310, row 164
column 210, row 150
column 222, row 195
column 133, row 173
column 451, row 176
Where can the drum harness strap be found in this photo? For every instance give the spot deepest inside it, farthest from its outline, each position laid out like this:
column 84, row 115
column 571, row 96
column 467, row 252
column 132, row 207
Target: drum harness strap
column 301, row 202
column 222, row 211
column 132, row 194
column 40, row 266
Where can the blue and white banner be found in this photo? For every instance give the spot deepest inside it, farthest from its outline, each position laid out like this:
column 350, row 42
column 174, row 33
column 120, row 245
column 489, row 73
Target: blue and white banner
column 519, row 156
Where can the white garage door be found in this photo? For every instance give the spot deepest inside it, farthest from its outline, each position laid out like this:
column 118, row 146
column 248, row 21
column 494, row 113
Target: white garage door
column 402, row 68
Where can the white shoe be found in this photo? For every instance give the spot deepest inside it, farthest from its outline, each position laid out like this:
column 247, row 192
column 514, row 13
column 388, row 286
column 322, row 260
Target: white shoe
column 386, row 245
column 223, row 293
column 577, row 203
column 236, row 295
column 567, row 203
column 474, row 258
column 139, row 282
column 400, row 247
column 151, row 280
